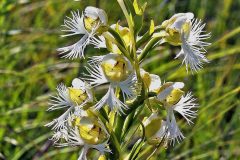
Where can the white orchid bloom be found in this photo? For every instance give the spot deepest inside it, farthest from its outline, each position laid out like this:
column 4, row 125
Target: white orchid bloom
column 89, row 25
column 182, row 29
column 116, row 70
column 173, row 99
column 88, row 133
column 73, row 98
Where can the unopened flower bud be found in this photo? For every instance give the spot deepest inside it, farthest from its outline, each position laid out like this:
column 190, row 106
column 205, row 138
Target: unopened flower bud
column 152, row 81
column 102, row 157
column 124, row 32
column 152, row 125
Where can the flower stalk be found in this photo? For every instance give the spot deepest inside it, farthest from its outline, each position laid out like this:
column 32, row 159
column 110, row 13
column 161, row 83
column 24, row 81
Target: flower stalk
column 103, row 124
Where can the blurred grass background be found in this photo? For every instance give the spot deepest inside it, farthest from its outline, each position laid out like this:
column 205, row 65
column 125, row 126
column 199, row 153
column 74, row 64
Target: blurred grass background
column 30, row 69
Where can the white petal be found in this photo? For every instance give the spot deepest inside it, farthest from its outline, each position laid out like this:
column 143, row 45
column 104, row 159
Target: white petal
column 74, row 138
column 112, row 101
column 95, row 13
column 74, row 25
column 98, row 42
column 102, row 148
column 95, row 60
column 129, row 87
column 96, row 75
column 186, row 107
column 76, row 50
column 83, row 153
column 61, row 100
column 62, row 134
column 174, row 132
column 78, row 84
column 193, row 49
column 59, row 123
column 176, row 85
column 155, row 82
column 153, row 116
column 181, row 18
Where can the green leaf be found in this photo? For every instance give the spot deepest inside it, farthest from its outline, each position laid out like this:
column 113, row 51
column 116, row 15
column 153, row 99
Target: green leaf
column 136, row 149
column 151, row 28
column 137, row 8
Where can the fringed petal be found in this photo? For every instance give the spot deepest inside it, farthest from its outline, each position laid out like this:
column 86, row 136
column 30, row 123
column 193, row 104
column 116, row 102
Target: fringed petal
column 112, row 101
column 74, row 25
column 186, row 107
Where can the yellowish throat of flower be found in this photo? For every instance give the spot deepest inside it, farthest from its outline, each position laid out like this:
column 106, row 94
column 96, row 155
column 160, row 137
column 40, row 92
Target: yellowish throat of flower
column 90, row 130
column 92, row 23
column 116, row 68
column 174, row 96
column 77, row 96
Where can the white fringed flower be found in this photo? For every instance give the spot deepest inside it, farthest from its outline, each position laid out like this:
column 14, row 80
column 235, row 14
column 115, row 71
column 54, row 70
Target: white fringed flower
column 173, row 133
column 116, row 70
column 75, row 138
column 161, row 131
column 89, row 27
column 173, row 99
column 73, row 98
column 186, row 107
column 182, row 29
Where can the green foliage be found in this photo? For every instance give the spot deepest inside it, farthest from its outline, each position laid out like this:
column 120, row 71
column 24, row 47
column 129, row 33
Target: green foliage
column 30, row 69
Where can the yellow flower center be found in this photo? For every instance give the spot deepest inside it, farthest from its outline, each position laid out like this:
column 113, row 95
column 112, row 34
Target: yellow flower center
column 116, row 68
column 77, row 96
column 174, row 96
column 102, row 157
column 90, row 130
column 92, row 23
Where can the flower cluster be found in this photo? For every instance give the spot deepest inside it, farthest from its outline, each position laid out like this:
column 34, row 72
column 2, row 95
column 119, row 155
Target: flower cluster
column 92, row 122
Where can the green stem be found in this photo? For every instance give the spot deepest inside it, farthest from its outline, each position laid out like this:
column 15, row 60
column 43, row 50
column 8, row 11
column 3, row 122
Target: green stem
column 130, row 25
column 115, row 147
column 117, row 36
column 118, row 43
column 148, row 47
column 146, row 37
